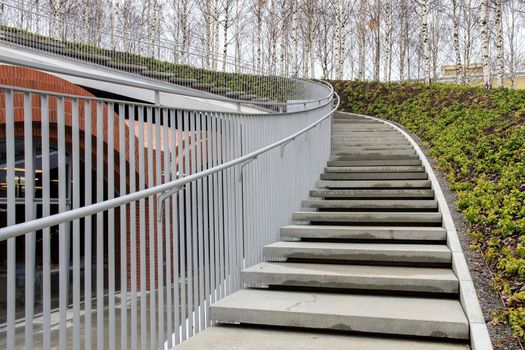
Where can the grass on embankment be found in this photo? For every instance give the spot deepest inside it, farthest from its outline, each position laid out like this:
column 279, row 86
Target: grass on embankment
column 477, row 138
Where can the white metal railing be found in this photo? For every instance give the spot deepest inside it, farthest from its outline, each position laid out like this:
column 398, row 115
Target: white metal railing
column 160, row 59
column 135, row 218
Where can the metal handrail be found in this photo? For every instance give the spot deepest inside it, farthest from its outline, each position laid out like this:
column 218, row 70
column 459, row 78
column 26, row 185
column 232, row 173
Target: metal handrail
column 157, row 88
column 74, row 214
column 142, row 104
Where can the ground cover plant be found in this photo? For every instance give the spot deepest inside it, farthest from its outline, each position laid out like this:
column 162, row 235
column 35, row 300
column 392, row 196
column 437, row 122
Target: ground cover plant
column 477, row 138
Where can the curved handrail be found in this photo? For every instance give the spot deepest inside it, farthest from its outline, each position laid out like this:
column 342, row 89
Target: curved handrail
column 157, row 88
column 149, row 105
column 74, row 214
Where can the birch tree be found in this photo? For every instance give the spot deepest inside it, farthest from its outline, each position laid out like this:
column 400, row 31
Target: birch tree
column 363, row 10
column 484, row 24
column 455, row 41
column 499, row 45
column 342, row 12
column 259, row 13
column 403, row 37
column 387, row 64
column 425, row 38
column 227, row 6
column 294, row 39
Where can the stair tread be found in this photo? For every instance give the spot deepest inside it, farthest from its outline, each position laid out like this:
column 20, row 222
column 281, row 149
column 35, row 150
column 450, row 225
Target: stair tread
column 375, row 169
column 414, row 279
column 383, row 252
column 393, row 193
column 228, row 337
column 374, row 183
column 362, row 313
column 364, row 232
column 418, row 217
column 371, row 203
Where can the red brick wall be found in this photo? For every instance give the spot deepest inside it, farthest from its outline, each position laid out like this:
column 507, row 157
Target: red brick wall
column 28, row 78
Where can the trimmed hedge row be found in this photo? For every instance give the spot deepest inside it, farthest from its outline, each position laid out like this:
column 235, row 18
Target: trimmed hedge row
column 477, row 138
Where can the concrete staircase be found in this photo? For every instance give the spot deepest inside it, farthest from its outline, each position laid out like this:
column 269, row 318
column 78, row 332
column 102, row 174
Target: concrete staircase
column 365, row 266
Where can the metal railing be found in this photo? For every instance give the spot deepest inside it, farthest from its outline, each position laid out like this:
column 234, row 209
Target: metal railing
column 66, row 35
column 135, row 218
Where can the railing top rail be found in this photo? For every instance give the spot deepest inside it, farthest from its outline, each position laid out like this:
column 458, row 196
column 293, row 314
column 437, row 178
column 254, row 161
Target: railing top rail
column 155, row 86
column 60, row 218
column 150, row 105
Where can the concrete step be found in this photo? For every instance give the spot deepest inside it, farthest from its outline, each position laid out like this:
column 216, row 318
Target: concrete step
column 368, row 217
column 338, row 147
column 363, row 128
column 373, row 176
column 371, row 204
column 243, row 337
column 385, row 278
column 375, row 169
column 364, row 232
column 383, row 152
column 399, row 193
column 374, row 162
column 438, row 318
column 376, row 252
column 366, row 143
column 373, row 157
column 373, row 184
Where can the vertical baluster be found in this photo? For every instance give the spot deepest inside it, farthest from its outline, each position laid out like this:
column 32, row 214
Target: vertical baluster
column 167, row 227
column 88, row 267
column 123, row 229
column 46, row 245
column 199, row 215
column 142, row 219
column 151, row 233
column 63, row 239
column 133, row 227
column 182, row 169
column 100, row 226
column 160, row 243
column 29, row 215
column 111, row 225
column 176, row 280
column 76, row 223
column 11, row 218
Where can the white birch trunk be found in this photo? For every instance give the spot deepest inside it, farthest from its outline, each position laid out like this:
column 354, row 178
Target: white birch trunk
column 426, row 41
column 455, row 40
column 216, row 33
column 499, row 45
column 85, row 21
column 403, row 32
column 387, row 66
column 273, row 37
column 113, row 7
column 295, row 63
column 377, row 55
column 237, row 36
column 483, row 19
column 283, row 38
column 363, row 7
column 225, row 26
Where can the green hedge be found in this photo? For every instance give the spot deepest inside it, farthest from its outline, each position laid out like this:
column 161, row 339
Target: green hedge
column 477, row 138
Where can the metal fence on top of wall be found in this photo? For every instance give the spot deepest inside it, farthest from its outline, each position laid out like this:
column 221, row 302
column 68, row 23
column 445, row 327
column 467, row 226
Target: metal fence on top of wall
column 66, row 35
